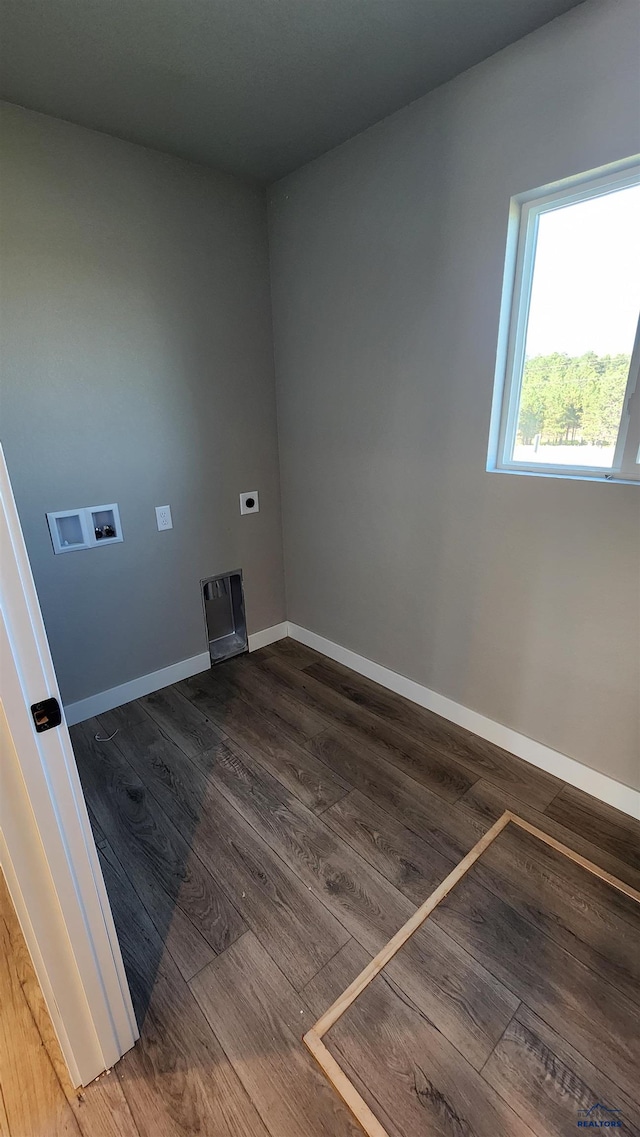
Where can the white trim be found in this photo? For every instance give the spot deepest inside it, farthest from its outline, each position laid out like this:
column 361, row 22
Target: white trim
column 155, row 680
column 567, row 769
column 561, row 765
column 268, row 636
column 39, row 966
column 135, row 688
column 47, row 832
column 522, row 234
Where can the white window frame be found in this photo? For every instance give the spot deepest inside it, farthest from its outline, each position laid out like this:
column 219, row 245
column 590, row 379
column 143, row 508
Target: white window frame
column 525, row 212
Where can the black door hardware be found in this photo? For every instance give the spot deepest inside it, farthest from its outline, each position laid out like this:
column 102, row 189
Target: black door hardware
column 46, row 714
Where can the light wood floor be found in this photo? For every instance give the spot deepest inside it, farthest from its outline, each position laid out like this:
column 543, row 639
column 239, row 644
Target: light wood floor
column 36, row 1095
column 264, row 829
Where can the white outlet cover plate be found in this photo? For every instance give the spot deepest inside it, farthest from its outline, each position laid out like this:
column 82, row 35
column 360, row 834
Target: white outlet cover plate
column 245, row 498
column 163, row 517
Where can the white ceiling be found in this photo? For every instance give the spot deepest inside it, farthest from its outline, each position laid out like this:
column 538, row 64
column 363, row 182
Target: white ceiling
column 255, row 87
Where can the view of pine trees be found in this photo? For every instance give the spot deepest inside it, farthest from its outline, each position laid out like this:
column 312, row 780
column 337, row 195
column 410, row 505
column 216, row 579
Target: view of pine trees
column 572, row 399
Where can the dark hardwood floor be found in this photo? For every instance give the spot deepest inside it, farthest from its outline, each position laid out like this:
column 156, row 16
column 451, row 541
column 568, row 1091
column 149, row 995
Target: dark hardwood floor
column 265, row 828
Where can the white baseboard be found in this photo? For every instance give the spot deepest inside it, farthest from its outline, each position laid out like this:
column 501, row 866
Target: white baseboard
column 567, row 769
column 268, row 636
column 155, row 680
column 135, row 688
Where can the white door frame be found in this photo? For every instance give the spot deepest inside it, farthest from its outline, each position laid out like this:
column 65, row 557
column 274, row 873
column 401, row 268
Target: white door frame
column 47, row 849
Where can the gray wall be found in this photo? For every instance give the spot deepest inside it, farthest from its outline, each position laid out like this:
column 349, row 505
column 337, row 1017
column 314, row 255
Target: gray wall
column 137, row 367
column 518, row 597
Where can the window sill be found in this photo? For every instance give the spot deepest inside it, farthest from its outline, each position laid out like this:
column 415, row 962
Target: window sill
column 568, row 476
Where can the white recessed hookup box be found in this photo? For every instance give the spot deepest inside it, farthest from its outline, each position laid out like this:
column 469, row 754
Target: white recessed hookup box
column 85, row 528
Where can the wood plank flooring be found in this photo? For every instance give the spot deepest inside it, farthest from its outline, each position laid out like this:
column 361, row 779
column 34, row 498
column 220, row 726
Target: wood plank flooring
column 264, row 828
column 409, row 1074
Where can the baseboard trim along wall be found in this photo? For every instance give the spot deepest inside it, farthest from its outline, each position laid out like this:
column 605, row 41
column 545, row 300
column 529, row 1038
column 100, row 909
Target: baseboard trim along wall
column 268, row 636
column 155, row 680
column 568, row 769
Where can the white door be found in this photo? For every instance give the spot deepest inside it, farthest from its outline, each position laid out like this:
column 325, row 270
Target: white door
column 47, row 849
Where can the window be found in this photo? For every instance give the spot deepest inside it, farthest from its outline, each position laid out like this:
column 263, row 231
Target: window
column 569, row 347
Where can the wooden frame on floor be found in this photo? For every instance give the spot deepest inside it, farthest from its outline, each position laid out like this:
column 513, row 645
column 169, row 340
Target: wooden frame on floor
column 313, row 1038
